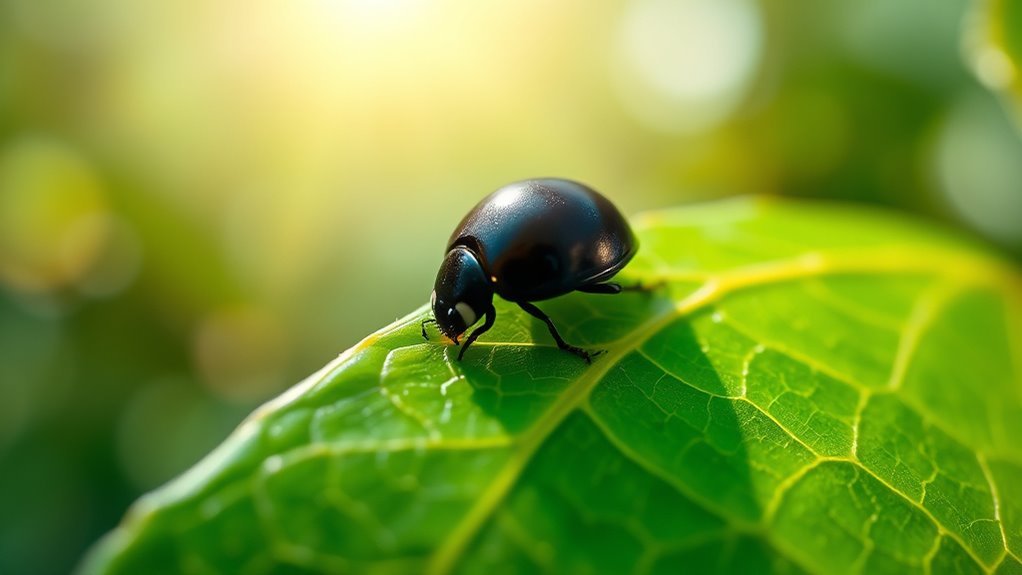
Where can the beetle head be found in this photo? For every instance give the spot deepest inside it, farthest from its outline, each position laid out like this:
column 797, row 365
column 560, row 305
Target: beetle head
column 462, row 293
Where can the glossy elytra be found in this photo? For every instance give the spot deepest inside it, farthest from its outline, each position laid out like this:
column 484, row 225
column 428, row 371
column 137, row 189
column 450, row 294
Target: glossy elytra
column 529, row 241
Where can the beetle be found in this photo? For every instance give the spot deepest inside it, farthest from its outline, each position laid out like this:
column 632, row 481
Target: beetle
column 529, row 241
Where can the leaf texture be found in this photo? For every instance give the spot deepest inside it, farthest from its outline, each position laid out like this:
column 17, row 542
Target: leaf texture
column 812, row 388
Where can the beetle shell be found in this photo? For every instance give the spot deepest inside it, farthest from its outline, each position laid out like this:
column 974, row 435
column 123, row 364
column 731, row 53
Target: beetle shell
column 538, row 239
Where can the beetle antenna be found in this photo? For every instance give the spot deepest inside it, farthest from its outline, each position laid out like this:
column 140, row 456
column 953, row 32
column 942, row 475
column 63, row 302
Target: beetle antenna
column 424, row 322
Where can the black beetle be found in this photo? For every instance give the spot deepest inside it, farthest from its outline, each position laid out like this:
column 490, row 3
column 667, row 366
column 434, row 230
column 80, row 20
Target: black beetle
column 529, row 241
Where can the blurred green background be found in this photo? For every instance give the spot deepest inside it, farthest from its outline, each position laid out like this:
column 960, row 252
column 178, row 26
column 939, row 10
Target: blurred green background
column 202, row 202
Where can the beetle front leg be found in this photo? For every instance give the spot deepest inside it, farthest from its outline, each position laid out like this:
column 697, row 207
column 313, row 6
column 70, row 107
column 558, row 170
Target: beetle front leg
column 491, row 316
column 425, row 336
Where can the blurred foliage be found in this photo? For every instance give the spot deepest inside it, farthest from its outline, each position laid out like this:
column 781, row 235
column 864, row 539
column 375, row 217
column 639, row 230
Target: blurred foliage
column 200, row 202
column 993, row 43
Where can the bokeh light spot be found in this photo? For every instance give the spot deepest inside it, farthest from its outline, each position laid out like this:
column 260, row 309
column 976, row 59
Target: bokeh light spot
column 994, row 68
column 977, row 165
column 685, row 64
column 53, row 215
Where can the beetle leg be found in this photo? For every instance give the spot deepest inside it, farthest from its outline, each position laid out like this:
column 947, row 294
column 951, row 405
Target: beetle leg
column 491, row 316
column 612, row 288
column 609, row 288
column 538, row 313
column 424, row 322
column 644, row 287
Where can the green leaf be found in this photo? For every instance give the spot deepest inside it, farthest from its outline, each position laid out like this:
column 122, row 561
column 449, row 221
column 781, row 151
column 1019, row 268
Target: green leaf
column 815, row 388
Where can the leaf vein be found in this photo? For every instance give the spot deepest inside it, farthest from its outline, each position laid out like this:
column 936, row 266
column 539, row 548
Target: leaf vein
column 908, row 400
column 995, row 497
column 926, row 512
column 924, row 312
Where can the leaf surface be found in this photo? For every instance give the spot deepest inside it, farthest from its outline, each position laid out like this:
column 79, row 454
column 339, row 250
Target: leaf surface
column 813, row 388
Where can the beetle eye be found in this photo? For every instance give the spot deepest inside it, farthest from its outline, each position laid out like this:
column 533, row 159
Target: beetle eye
column 468, row 315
